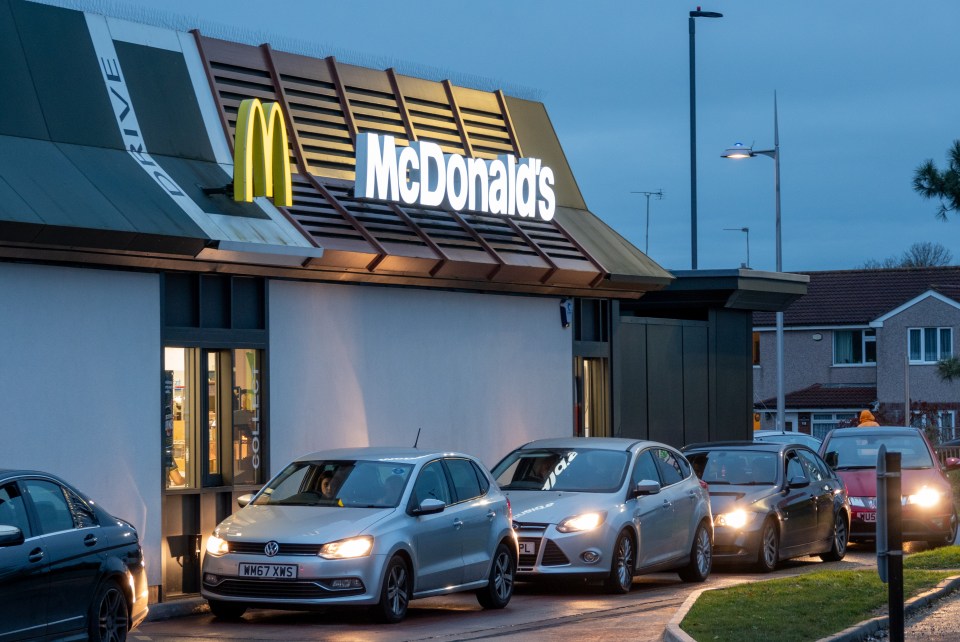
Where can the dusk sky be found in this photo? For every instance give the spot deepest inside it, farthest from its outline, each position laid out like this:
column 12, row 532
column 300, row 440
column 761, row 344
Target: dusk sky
column 866, row 92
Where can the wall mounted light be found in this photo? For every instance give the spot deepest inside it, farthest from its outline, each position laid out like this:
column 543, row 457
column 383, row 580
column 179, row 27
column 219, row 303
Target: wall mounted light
column 566, row 312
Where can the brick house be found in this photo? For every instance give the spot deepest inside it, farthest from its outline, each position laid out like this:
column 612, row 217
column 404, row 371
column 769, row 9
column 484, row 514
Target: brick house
column 863, row 339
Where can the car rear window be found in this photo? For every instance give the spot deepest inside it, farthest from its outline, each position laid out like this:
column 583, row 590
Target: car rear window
column 860, row 451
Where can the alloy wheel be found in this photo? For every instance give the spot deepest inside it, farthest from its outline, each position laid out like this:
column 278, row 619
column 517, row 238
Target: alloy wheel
column 397, row 590
column 840, row 536
column 112, row 616
column 503, row 576
column 625, row 561
column 770, row 546
column 704, row 551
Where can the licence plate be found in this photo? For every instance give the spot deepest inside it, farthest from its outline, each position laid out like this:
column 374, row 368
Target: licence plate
column 869, row 517
column 528, row 548
column 269, row 571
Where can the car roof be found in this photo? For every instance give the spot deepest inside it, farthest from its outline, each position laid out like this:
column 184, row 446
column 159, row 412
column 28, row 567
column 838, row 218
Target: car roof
column 765, row 433
column 382, row 453
column 762, row 446
column 875, row 430
column 600, row 443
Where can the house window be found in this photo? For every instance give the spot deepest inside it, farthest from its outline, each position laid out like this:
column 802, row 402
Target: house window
column 824, row 422
column 756, row 348
column 930, row 345
column 940, row 425
column 854, row 347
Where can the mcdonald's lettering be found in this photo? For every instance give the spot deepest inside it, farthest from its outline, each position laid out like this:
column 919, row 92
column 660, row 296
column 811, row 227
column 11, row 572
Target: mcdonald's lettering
column 261, row 161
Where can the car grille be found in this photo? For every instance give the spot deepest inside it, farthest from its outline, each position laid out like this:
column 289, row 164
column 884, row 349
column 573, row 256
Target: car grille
column 272, row 589
column 553, row 556
column 526, row 559
column 256, row 548
column 530, row 527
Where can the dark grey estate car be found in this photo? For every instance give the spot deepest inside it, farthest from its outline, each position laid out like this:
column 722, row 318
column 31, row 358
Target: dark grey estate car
column 771, row 502
column 68, row 569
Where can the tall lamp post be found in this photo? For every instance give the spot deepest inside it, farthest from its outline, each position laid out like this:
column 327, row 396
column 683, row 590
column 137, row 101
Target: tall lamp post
column 745, row 230
column 659, row 195
column 693, row 131
column 739, row 151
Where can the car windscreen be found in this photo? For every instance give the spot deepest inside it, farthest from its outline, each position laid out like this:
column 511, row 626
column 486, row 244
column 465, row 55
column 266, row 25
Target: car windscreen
column 571, row 469
column 860, row 451
column 366, row 484
column 735, row 467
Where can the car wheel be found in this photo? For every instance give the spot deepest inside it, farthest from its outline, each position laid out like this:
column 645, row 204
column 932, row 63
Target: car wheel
column 395, row 592
column 701, row 557
column 620, row 579
column 838, row 547
column 499, row 589
column 769, row 553
column 227, row 610
column 109, row 616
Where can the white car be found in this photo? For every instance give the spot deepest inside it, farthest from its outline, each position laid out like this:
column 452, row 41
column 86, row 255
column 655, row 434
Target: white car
column 607, row 509
column 364, row 526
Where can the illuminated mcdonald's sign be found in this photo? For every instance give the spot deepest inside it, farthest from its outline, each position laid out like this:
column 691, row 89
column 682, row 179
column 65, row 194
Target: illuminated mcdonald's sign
column 261, row 159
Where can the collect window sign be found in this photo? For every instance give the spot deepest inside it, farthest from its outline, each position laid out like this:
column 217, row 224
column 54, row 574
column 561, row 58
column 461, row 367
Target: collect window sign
column 421, row 174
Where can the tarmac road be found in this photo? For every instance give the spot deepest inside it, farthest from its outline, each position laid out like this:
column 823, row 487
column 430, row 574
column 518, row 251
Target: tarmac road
column 550, row 612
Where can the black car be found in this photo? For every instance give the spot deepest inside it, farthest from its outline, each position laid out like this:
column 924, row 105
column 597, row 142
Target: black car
column 771, row 502
column 68, row 569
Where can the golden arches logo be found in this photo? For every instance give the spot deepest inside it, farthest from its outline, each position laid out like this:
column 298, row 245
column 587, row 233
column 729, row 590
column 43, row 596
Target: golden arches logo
column 261, row 158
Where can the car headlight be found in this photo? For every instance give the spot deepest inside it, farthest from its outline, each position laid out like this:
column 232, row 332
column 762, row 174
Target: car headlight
column 735, row 518
column 347, row 548
column 580, row 523
column 864, row 502
column 217, row 546
column 926, row 497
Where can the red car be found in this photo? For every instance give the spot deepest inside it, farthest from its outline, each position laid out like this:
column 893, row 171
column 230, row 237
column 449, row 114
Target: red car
column 928, row 509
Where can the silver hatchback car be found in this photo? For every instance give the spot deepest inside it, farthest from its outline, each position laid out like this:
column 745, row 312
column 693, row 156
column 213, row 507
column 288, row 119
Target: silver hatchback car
column 607, row 509
column 364, row 526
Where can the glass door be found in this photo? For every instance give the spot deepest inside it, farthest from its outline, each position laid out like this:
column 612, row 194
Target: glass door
column 592, row 397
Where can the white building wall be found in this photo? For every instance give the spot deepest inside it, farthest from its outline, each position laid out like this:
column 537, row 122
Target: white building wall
column 80, row 377
column 355, row 366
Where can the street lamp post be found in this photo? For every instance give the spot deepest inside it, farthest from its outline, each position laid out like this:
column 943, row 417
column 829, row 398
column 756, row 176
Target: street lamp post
column 745, row 230
column 739, row 151
column 693, row 131
column 659, row 195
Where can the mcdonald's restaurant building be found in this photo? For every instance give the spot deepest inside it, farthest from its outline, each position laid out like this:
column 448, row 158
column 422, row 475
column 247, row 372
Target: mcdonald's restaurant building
column 215, row 257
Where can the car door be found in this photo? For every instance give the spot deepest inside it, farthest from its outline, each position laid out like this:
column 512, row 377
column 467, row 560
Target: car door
column 648, row 512
column 798, row 506
column 75, row 551
column 821, row 487
column 24, row 580
column 683, row 502
column 436, row 537
column 476, row 539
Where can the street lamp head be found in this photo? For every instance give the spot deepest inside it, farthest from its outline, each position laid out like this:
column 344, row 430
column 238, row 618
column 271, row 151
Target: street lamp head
column 738, row 151
column 705, row 14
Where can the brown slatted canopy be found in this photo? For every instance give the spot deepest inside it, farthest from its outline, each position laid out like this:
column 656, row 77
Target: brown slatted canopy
column 328, row 104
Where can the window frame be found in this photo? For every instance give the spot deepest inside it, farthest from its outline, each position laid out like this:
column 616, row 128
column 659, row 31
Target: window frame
column 922, row 332
column 867, row 336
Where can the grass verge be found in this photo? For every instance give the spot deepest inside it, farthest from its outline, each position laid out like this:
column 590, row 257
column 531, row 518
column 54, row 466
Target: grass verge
column 810, row 606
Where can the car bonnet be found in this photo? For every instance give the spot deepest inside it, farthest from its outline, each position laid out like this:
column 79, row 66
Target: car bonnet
column 300, row 524
column 552, row 507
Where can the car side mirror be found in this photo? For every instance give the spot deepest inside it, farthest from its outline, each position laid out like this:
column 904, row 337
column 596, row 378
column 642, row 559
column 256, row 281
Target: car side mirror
column 10, row 536
column 645, row 487
column 798, row 482
column 243, row 500
column 952, row 463
column 429, row 506
column 831, row 458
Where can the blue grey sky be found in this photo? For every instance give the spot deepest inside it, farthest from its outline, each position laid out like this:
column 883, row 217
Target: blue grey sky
column 866, row 92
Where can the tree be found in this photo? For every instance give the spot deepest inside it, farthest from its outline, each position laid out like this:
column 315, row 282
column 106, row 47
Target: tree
column 949, row 368
column 920, row 254
column 932, row 183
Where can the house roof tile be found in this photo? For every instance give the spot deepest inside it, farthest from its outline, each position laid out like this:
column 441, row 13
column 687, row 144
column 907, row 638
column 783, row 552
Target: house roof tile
column 856, row 297
column 826, row 397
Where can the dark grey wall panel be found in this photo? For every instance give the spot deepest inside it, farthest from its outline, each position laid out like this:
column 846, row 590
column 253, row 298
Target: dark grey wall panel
column 66, row 75
column 734, row 374
column 165, row 102
column 665, row 383
column 12, row 207
column 696, row 397
column 631, row 411
column 20, row 113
